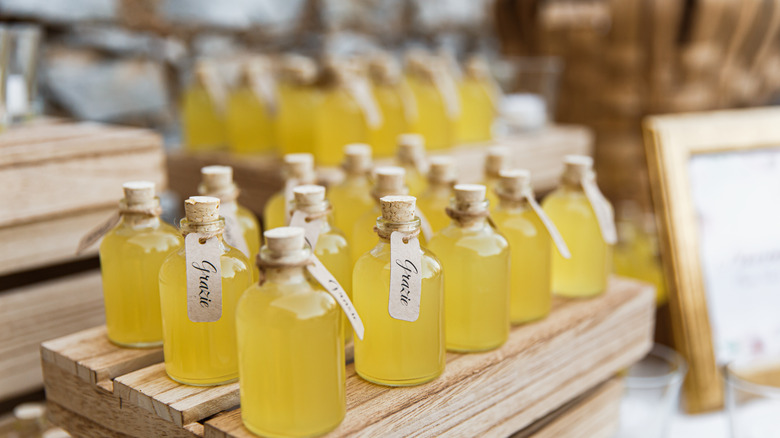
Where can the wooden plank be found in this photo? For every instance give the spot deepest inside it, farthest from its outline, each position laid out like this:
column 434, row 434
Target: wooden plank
column 541, row 367
column 33, row 314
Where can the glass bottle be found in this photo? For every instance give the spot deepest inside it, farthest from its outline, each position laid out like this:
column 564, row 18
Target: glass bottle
column 411, row 156
column 331, row 246
column 130, row 258
column 435, row 115
column 436, row 198
column 497, row 158
column 478, row 97
column 201, row 353
column 395, row 101
column 251, row 110
column 297, row 169
column 299, row 99
column 351, row 198
column 203, row 110
column 395, row 352
column 475, row 257
column 585, row 273
column 290, row 348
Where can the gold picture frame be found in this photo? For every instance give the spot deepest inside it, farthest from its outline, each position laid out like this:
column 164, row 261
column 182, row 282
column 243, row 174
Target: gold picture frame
column 671, row 141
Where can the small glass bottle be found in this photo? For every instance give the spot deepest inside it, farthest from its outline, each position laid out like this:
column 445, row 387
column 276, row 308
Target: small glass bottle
column 585, row 273
column 395, row 101
column 299, row 99
column 351, row 198
column 251, row 109
column 475, row 257
column 331, row 246
column 297, row 169
column 396, row 352
column 203, row 110
column 388, row 181
column 496, row 159
column 435, row 119
column 290, row 348
column 477, row 95
column 436, row 198
column 411, row 156
column 130, row 258
column 217, row 181
column 201, row 353
column 531, row 296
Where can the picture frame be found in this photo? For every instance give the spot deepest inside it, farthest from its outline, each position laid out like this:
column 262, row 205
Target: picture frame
column 674, row 145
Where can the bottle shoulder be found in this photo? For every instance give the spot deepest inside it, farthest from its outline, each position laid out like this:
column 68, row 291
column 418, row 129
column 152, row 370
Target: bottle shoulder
column 305, row 299
column 160, row 238
column 483, row 241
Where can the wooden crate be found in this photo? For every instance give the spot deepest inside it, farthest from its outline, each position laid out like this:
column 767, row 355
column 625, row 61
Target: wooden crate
column 96, row 389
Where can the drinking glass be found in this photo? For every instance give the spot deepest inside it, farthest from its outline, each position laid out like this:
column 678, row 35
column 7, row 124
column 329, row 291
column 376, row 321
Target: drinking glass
column 753, row 397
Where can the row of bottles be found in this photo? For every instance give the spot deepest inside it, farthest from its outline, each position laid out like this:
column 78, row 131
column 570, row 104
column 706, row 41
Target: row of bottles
column 293, row 104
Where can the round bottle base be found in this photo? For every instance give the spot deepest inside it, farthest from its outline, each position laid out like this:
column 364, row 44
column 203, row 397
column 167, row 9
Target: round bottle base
column 467, row 349
column 259, row 431
column 136, row 344
column 521, row 321
column 579, row 294
column 406, row 382
column 205, row 382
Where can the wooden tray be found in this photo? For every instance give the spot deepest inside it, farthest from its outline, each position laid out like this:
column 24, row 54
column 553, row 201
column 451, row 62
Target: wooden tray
column 95, row 389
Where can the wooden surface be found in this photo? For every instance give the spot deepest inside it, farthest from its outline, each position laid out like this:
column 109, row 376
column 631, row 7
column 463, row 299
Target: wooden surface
column 33, row 314
column 542, row 367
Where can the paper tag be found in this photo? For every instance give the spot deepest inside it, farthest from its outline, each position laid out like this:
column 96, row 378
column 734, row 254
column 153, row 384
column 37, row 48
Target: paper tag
column 234, row 236
column 214, row 89
column 448, row 90
column 408, row 101
column 359, row 89
column 425, row 226
column 329, row 282
column 560, row 244
column 264, row 89
column 601, row 208
column 96, row 233
column 494, row 91
column 289, row 197
column 311, row 229
column 204, row 278
column 405, row 277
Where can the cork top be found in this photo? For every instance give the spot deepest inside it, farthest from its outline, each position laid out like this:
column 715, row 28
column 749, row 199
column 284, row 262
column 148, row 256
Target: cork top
column 384, row 69
column 299, row 69
column 576, row 167
column 284, row 241
column 513, row 182
column 398, row 208
column 477, row 67
column 497, row 158
column 138, row 193
column 216, row 180
column 441, row 170
column 309, row 195
column 299, row 166
column 357, row 158
column 468, row 194
column 201, row 209
column 409, row 144
column 389, row 180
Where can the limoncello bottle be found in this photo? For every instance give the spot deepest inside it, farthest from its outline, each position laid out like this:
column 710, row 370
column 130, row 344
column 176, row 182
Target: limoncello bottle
column 399, row 348
column 330, row 244
column 585, row 220
column 387, row 181
column 475, row 257
column 437, row 103
column 436, row 198
column 203, row 110
column 297, row 169
column 299, row 99
column 130, row 258
column 290, row 348
column 479, row 98
column 395, row 100
column 497, row 158
column 202, row 353
column 351, row 198
column 411, row 156
column 251, row 110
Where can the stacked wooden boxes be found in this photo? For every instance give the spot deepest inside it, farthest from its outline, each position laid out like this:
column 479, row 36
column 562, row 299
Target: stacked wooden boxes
column 59, row 179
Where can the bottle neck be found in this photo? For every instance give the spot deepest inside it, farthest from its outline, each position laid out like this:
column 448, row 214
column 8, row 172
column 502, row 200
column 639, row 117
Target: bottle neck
column 386, row 228
column 285, row 275
column 440, row 189
column 140, row 220
column 508, row 203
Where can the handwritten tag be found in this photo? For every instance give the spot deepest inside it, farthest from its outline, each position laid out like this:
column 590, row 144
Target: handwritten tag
column 425, row 225
column 204, row 278
column 264, row 89
column 360, row 90
column 405, row 277
column 601, row 208
column 96, row 233
column 408, row 101
column 234, row 236
column 311, row 230
column 448, row 90
column 289, row 197
column 557, row 239
column 329, row 282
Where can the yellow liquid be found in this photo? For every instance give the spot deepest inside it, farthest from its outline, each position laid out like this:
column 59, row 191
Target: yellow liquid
column 350, row 201
column 295, row 121
column 476, row 117
column 432, row 120
column 249, row 126
column 585, row 274
column 130, row 260
column 250, row 228
column 201, row 353
column 383, row 140
column 432, row 203
column 363, row 234
column 395, row 352
column 274, row 215
column 414, row 180
column 203, row 125
column 339, row 122
column 476, row 303
column 637, row 258
column 490, row 192
column 531, row 293
column 333, row 251
column 291, row 359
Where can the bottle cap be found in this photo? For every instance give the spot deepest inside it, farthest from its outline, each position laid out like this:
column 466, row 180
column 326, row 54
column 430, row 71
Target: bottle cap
column 299, row 166
column 284, row 240
column 398, row 208
column 357, row 158
column 299, row 68
column 497, row 158
column 470, row 196
column 410, row 147
column 201, row 209
column 309, row 195
column 512, row 182
column 138, row 192
column 441, row 170
column 216, row 180
column 389, row 181
column 576, row 167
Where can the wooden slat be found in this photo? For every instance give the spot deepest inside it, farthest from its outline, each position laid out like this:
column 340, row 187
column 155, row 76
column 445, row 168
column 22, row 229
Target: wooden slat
column 541, row 367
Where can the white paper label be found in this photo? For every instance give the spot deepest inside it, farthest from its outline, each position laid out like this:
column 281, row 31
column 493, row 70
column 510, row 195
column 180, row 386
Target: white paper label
column 405, row 277
column 215, row 90
column 233, row 233
column 96, row 233
column 448, row 90
column 311, row 229
column 289, row 196
column 408, row 101
column 425, row 226
column 359, row 89
column 560, row 244
column 601, row 208
column 204, row 278
column 329, row 282
column 264, row 89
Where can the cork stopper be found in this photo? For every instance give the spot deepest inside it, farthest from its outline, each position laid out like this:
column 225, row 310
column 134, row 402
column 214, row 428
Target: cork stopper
column 497, row 158
column 576, row 167
column 299, row 69
column 470, row 196
column 441, row 170
column 284, row 241
column 389, row 181
column 477, row 67
column 513, row 182
column 138, row 193
column 357, row 158
column 398, row 208
column 309, row 195
column 299, row 166
column 384, row 69
column 411, row 147
column 216, row 179
column 201, row 209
